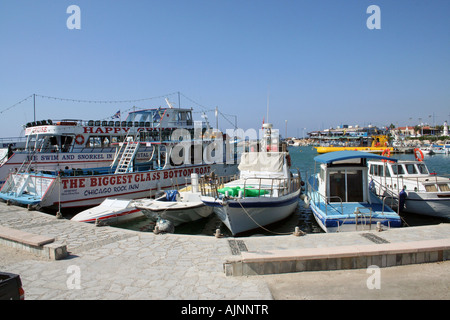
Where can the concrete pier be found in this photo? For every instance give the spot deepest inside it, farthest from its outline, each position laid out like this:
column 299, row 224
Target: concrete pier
column 112, row 263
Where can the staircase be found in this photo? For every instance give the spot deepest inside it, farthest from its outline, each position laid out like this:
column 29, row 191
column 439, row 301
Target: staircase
column 126, row 161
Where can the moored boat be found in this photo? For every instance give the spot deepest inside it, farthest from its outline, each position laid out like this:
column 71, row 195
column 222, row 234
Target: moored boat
column 265, row 192
column 127, row 179
column 52, row 145
column 110, row 211
column 176, row 206
column 376, row 143
column 339, row 194
column 410, row 186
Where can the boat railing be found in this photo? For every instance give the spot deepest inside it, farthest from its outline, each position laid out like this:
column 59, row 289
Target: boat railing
column 267, row 187
column 393, row 198
column 318, row 198
column 364, row 217
column 210, row 184
column 398, row 183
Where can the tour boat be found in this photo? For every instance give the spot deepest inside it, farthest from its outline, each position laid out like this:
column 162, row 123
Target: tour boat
column 339, row 194
column 53, row 145
column 125, row 178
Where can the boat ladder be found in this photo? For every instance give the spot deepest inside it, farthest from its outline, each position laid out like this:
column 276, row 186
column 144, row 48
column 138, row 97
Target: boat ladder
column 363, row 218
column 128, row 155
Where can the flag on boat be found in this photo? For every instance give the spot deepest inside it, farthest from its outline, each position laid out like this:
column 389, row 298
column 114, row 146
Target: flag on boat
column 116, row 115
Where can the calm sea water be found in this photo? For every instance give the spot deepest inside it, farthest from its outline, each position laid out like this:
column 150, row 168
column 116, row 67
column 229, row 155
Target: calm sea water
column 303, row 159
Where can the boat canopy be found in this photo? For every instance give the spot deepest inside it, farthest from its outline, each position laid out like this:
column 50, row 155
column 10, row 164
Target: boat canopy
column 262, row 164
column 347, row 155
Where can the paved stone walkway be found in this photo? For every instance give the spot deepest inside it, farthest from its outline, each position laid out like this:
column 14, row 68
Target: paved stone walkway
column 113, row 263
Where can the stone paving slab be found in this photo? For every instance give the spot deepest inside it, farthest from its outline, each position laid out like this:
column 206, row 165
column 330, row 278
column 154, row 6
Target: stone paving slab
column 24, row 237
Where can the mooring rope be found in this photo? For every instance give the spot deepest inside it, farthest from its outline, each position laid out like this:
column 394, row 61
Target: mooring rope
column 262, row 227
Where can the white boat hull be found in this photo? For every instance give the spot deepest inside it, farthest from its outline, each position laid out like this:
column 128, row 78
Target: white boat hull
column 47, row 161
column 246, row 214
column 428, row 204
column 178, row 214
column 88, row 191
column 110, row 211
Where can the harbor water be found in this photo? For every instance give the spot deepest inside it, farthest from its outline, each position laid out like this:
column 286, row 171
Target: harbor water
column 303, row 160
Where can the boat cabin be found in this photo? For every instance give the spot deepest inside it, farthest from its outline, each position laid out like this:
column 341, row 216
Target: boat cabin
column 411, row 175
column 401, row 168
column 343, row 176
column 71, row 134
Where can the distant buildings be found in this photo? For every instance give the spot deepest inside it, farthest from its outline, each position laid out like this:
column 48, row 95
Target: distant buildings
column 357, row 132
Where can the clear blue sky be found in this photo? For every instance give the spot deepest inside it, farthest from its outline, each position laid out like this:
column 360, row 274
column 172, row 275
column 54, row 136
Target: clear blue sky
column 320, row 64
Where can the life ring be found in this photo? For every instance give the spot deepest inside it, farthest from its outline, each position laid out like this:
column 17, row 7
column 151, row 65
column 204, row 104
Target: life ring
column 79, row 139
column 386, row 152
column 418, row 154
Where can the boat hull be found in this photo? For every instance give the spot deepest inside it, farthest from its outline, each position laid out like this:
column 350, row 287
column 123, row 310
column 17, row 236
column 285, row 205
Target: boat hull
column 240, row 215
column 433, row 204
column 47, row 161
column 336, row 218
column 111, row 211
column 88, row 191
column 429, row 206
column 180, row 214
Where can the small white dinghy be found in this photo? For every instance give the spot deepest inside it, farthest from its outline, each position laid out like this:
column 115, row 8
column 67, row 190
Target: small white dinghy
column 110, row 211
column 176, row 206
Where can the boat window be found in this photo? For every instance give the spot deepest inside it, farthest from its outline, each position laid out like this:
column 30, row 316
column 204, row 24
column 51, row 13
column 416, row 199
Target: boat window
column 337, row 187
column 444, row 187
column 381, row 171
column 377, row 170
column 98, row 141
column 354, row 183
column 411, row 168
column 398, row 169
column 66, row 142
column 430, row 188
column 422, row 168
column 93, row 142
column 346, row 186
column 386, row 171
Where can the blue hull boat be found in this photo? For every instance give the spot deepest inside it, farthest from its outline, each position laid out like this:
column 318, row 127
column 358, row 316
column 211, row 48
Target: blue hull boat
column 340, row 198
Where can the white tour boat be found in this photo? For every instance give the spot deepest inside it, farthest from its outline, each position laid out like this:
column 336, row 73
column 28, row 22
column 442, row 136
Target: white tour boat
column 125, row 178
column 53, row 145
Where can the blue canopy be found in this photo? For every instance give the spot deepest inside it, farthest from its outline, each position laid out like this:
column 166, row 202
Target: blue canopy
column 171, row 195
column 346, row 155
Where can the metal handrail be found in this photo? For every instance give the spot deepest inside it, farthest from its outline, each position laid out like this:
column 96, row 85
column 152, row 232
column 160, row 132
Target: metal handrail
column 326, row 200
column 282, row 185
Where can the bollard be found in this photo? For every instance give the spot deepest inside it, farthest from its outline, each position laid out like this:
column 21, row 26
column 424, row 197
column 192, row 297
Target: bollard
column 379, row 228
column 298, row 232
